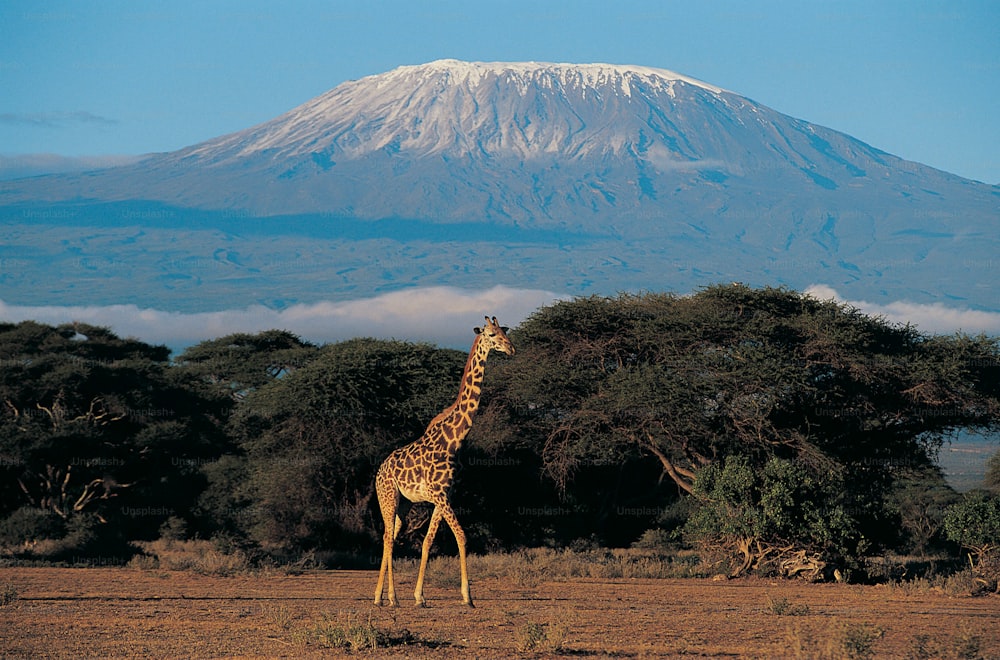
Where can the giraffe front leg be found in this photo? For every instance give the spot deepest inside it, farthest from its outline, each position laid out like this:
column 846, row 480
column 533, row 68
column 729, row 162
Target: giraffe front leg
column 418, row 592
column 456, row 529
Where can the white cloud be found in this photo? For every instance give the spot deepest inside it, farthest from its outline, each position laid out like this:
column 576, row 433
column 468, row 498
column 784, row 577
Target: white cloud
column 15, row 166
column 441, row 315
column 54, row 119
column 664, row 160
column 934, row 318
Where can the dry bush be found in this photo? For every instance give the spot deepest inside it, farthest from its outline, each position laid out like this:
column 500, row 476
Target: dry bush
column 987, row 571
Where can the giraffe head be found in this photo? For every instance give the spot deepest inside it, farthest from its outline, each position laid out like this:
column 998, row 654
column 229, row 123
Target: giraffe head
column 495, row 336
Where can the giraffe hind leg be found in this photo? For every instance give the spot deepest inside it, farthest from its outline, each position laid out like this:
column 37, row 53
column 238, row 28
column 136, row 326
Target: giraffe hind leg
column 402, row 509
column 388, row 500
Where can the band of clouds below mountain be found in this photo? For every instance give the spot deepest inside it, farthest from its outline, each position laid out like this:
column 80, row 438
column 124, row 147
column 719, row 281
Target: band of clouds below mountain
column 441, row 315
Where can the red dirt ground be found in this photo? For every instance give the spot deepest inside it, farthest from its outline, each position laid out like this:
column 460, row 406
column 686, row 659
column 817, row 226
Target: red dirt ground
column 123, row 612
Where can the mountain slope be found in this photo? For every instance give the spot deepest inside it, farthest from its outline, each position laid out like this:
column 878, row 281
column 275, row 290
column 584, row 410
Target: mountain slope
column 643, row 166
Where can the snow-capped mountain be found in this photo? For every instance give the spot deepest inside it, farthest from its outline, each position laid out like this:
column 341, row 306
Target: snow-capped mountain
column 453, row 109
column 657, row 180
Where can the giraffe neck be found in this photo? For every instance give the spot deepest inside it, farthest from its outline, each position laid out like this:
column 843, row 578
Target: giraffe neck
column 472, row 377
column 455, row 421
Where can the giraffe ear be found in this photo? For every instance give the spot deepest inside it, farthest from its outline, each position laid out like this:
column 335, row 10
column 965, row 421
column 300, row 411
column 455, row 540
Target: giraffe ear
column 505, row 329
column 477, row 330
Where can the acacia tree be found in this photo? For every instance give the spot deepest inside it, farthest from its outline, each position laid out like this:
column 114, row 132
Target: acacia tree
column 759, row 373
column 97, row 434
column 239, row 363
column 314, row 439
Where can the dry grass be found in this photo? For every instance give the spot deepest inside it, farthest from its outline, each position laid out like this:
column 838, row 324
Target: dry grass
column 199, row 556
column 531, row 566
column 961, row 584
column 849, row 641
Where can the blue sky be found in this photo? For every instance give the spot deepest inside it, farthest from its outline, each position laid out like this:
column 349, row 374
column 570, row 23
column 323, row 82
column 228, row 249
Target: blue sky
column 77, row 78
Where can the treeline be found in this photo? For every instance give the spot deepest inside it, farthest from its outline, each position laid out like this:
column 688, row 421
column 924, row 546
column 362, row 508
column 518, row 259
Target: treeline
column 772, row 432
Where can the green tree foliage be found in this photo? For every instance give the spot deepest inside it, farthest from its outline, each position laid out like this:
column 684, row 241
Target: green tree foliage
column 314, row 439
column 239, row 363
column 778, row 430
column 974, row 523
column 601, row 383
column 99, row 437
column 782, row 518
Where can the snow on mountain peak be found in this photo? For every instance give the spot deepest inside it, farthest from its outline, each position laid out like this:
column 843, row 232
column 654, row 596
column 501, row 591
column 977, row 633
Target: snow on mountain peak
column 591, row 75
column 456, row 107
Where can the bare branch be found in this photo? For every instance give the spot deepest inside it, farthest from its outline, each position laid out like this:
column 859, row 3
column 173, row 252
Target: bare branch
column 682, row 477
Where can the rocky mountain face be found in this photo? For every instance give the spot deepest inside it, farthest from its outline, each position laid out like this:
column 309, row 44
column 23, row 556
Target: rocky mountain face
column 573, row 178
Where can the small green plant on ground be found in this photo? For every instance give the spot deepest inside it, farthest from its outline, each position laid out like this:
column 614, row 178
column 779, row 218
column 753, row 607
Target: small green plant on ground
column 8, row 594
column 545, row 637
column 784, row 607
column 352, row 632
column 965, row 645
column 279, row 615
column 859, row 640
column 852, row 641
column 346, row 631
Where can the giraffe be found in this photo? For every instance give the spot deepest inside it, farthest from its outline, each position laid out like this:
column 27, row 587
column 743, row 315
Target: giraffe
column 422, row 471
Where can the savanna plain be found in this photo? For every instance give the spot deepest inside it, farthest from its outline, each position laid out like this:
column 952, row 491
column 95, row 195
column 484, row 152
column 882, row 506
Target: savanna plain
column 130, row 611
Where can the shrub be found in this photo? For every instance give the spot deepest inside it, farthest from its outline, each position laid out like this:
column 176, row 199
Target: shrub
column 974, row 523
column 781, row 520
column 28, row 525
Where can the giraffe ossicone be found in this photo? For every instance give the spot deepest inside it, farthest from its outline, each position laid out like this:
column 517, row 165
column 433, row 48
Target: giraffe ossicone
column 423, row 470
